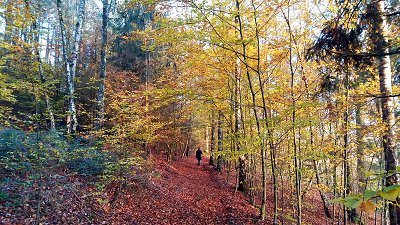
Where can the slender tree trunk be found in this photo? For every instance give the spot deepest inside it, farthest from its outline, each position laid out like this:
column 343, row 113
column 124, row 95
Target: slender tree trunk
column 296, row 154
column 243, row 168
column 266, row 118
column 360, row 150
column 379, row 32
column 35, row 40
column 48, row 42
column 74, row 59
column 243, row 165
column 212, row 142
column 346, row 170
column 251, row 158
column 43, row 79
column 324, row 198
column 207, row 137
column 103, row 67
column 71, row 61
column 220, row 147
column 253, row 95
column 189, row 138
column 65, row 53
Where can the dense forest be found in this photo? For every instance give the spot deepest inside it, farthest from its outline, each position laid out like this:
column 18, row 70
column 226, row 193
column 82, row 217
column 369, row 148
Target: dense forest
column 294, row 104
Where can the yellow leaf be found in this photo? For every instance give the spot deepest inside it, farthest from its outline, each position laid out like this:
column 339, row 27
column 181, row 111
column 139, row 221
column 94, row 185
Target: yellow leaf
column 367, row 207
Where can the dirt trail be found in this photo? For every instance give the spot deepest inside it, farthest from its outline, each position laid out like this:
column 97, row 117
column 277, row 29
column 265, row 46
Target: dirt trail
column 184, row 193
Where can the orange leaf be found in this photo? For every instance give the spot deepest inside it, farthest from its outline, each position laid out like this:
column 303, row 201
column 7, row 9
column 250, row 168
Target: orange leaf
column 368, row 207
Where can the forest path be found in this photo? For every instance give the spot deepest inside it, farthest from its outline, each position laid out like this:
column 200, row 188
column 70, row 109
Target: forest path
column 184, row 193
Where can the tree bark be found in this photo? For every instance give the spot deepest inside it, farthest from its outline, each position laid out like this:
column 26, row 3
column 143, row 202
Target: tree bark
column 348, row 214
column 43, row 79
column 103, row 67
column 360, row 150
column 296, row 153
column 70, row 56
column 267, row 117
column 253, row 96
column 243, row 167
column 212, row 142
column 378, row 35
column 220, row 147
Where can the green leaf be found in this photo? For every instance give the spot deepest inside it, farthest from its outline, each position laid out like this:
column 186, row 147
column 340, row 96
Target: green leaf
column 369, row 173
column 391, row 196
column 352, row 202
column 392, row 187
column 368, row 194
column 390, row 193
column 337, row 200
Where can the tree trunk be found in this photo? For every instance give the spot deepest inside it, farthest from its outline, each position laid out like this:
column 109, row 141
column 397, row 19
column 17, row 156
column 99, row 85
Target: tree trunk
column 212, row 142
column 360, row 150
column 65, row 53
column 296, row 154
column 267, row 117
column 347, row 213
column 220, row 147
column 103, row 67
column 74, row 59
column 48, row 43
column 243, row 167
column 70, row 60
column 253, row 96
column 43, row 79
column 379, row 31
column 242, row 186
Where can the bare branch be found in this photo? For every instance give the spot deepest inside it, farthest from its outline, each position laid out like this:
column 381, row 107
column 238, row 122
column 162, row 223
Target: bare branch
column 392, row 14
column 364, row 54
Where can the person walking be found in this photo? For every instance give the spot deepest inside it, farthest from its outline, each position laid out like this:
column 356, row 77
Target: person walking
column 199, row 154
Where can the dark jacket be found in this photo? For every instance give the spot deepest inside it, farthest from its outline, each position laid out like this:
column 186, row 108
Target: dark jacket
column 198, row 154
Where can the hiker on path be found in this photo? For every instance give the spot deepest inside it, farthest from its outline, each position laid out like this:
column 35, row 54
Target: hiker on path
column 199, row 153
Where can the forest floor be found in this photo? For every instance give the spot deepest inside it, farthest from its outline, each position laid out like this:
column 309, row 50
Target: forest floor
column 185, row 193
column 178, row 193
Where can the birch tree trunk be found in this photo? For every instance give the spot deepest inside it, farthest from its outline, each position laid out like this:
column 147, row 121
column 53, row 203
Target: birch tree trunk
column 103, row 67
column 70, row 56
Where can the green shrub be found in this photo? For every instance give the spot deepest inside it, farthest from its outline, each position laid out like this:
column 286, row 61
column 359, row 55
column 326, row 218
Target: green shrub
column 13, row 150
column 11, row 140
column 22, row 151
column 88, row 161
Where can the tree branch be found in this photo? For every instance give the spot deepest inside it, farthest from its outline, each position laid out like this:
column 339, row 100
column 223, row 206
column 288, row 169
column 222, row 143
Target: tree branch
column 364, row 54
column 393, row 14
